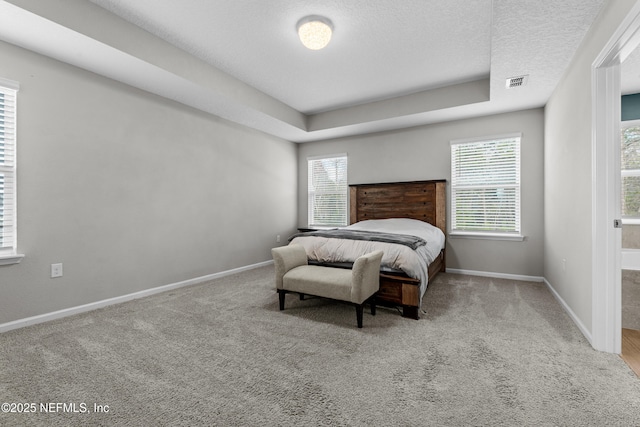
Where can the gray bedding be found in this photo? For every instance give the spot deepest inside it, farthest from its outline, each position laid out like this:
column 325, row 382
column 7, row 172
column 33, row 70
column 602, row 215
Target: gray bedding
column 412, row 242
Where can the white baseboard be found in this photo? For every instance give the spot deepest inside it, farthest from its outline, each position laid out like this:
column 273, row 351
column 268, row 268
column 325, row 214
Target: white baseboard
column 570, row 312
column 565, row 306
column 21, row 323
column 497, row 275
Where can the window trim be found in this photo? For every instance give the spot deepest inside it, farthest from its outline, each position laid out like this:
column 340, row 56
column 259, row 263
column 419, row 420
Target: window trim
column 11, row 255
column 309, row 208
column 488, row 235
column 11, row 259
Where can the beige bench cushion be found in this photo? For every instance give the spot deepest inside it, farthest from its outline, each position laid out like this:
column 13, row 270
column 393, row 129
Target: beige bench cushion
column 319, row 281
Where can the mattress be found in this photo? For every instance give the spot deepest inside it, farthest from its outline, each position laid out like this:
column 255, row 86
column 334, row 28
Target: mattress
column 397, row 256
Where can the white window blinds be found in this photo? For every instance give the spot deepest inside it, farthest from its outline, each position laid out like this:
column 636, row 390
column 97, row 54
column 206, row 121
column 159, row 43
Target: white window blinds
column 485, row 186
column 7, row 170
column 328, row 191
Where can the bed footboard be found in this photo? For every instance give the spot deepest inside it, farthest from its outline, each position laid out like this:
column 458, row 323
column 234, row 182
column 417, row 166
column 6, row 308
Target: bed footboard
column 400, row 291
column 404, row 291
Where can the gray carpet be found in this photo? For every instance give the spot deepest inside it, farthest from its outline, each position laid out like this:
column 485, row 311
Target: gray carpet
column 487, row 352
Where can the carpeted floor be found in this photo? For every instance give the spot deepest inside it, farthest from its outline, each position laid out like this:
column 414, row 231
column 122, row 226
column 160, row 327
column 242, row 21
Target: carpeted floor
column 487, row 352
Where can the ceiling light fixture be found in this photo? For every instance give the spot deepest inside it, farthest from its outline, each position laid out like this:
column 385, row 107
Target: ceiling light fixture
column 315, row 32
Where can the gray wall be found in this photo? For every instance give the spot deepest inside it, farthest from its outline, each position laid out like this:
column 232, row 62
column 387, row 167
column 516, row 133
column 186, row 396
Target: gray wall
column 568, row 170
column 630, row 107
column 422, row 153
column 131, row 191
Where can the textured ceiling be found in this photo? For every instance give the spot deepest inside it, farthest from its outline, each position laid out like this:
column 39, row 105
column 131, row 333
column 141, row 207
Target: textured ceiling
column 379, row 49
column 390, row 64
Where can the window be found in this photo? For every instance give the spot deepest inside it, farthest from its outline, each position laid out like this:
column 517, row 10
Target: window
column 630, row 168
column 8, row 235
column 328, row 191
column 485, row 187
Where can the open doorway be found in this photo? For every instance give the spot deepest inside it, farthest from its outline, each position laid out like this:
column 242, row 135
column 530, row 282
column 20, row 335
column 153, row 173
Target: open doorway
column 607, row 185
column 630, row 209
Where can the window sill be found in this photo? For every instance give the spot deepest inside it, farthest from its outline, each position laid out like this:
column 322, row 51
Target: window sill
column 324, row 227
column 487, row 236
column 11, row 259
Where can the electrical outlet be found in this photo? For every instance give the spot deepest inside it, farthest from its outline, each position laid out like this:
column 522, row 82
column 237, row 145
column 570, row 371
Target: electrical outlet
column 56, row 270
column 278, row 238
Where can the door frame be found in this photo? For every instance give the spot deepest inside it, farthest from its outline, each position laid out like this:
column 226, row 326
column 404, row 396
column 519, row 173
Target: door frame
column 606, row 329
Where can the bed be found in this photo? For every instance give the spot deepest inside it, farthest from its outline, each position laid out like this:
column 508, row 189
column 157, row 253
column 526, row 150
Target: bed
column 417, row 208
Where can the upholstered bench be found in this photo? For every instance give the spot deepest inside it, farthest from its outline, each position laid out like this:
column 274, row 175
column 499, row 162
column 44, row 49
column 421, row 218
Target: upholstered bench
column 356, row 286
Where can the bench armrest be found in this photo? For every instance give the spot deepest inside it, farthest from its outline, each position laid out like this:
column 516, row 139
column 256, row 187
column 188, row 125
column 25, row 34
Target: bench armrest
column 365, row 277
column 287, row 258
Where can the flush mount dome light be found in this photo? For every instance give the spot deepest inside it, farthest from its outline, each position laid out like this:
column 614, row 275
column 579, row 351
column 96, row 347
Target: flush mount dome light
column 315, row 32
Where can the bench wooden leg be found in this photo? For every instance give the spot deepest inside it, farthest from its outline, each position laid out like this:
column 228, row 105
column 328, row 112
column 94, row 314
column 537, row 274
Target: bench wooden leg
column 373, row 305
column 281, row 294
column 359, row 310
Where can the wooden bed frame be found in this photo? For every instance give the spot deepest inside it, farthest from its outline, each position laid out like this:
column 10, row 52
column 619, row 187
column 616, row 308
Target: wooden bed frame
column 422, row 200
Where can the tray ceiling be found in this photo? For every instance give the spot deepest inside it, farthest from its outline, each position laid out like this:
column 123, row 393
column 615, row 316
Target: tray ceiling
column 389, row 65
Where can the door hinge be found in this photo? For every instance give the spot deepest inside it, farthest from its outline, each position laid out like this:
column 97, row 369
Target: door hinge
column 617, row 223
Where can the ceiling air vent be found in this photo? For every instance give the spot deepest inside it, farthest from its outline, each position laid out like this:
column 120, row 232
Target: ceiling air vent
column 517, row 81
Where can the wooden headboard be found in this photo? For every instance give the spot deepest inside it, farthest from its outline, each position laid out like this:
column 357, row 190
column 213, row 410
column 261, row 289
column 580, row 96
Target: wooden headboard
column 422, row 200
